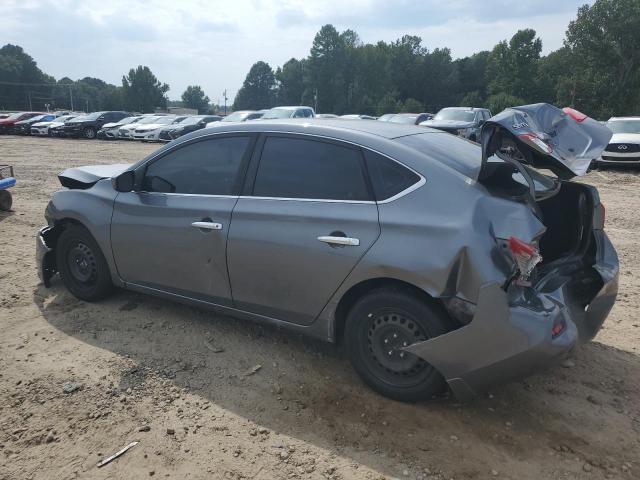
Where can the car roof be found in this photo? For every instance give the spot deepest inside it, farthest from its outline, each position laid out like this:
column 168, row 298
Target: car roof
column 327, row 127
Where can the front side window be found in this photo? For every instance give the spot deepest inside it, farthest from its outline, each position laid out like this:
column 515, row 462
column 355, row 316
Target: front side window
column 207, row 167
column 301, row 168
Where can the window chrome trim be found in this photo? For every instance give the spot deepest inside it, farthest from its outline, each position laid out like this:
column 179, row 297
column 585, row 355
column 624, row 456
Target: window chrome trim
column 398, row 195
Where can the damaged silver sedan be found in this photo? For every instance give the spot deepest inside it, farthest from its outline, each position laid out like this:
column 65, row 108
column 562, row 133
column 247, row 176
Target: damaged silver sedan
column 434, row 260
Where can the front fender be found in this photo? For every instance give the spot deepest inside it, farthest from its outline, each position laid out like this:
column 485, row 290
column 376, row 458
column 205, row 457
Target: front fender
column 91, row 208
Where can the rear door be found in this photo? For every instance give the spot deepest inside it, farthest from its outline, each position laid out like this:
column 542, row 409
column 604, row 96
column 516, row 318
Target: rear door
column 171, row 234
column 306, row 219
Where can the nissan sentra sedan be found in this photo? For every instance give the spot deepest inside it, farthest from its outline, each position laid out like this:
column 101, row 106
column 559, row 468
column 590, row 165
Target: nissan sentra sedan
column 435, row 261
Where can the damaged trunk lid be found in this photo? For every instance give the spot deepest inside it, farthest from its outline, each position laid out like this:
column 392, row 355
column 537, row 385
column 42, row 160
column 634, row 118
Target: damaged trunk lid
column 544, row 137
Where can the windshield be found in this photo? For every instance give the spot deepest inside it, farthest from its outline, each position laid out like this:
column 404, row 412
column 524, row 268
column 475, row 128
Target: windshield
column 128, row 120
column 64, row 118
column 91, row 116
column 36, row 118
column 278, row 113
column 190, row 121
column 455, row 114
column 236, row 117
column 386, row 117
column 408, row 119
column 152, row 119
column 14, row 116
column 624, row 126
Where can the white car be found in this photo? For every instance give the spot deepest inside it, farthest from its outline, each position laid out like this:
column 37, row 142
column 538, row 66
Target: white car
column 624, row 146
column 42, row 128
column 150, row 132
column 110, row 131
column 126, row 131
column 289, row 112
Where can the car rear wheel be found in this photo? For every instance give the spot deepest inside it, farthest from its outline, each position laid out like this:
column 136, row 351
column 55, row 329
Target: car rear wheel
column 377, row 329
column 82, row 265
column 89, row 133
column 5, row 200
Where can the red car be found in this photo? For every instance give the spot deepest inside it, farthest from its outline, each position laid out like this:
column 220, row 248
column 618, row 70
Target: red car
column 6, row 124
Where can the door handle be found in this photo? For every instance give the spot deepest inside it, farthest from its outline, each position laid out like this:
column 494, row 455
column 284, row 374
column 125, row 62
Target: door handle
column 348, row 241
column 207, row 225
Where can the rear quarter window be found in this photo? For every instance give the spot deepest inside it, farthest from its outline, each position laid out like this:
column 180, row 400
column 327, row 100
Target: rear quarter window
column 388, row 178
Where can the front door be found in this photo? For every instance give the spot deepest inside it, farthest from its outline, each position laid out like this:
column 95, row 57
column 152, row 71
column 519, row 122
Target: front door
column 171, row 235
column 308, row 221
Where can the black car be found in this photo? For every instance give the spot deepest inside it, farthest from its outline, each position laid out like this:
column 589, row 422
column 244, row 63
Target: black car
column 87, row 126
column 189, row 124
column 23, row 127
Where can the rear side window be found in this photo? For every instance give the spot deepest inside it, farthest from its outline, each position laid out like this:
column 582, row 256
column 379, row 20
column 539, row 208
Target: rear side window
column 300, row 168
column 207, row 167
column 388, row 178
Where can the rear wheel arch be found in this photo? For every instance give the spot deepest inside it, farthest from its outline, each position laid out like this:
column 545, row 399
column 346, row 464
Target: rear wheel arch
column 359, row 290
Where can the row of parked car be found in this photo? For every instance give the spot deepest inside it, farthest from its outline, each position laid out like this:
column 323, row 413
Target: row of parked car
column 113, row 125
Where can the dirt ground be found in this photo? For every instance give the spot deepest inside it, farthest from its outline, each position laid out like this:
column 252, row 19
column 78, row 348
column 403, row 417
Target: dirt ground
column 186, row 384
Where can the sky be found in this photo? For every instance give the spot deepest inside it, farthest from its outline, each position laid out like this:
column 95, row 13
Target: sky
column 213, row 43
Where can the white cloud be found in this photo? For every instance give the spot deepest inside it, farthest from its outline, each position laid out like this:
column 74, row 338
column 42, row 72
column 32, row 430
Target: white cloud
column 214, row 43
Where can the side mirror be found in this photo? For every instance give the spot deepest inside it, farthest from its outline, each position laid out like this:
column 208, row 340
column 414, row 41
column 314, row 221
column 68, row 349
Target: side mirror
column 124, row 182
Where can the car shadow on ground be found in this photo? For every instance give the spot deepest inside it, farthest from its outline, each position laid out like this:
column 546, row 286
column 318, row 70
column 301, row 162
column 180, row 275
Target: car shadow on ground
column 307, row 390
column 4, row 215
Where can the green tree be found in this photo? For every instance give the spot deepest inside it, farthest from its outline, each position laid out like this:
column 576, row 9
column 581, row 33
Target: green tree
column 512, row 67
column 24, row 85
column 498, row 102
column 290, row 82
column 194, row 97
column 388, row 104
column 325, row 75
column 258, row 89
column 411, row 105
column 472, row 99
column 142, row 91
column 604, row 42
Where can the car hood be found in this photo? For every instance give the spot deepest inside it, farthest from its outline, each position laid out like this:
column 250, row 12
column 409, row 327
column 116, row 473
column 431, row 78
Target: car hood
column 85, row 177
column 450, row 124
column 152, row 126
column 110, row 125
column 563, row 141
column 625, row 138
column 43, row 124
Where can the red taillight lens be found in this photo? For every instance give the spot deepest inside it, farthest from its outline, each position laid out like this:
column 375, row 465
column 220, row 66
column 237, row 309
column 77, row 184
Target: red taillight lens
column 533, row 138
column 526, row 257
column 575, row 114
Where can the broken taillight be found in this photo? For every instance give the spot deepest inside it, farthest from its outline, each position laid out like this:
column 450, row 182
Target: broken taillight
column 575, row 114
column 537, row 141
column 526, row 256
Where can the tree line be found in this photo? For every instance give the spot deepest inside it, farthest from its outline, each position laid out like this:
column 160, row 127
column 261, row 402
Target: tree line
column 597, row 70
column 23, row 86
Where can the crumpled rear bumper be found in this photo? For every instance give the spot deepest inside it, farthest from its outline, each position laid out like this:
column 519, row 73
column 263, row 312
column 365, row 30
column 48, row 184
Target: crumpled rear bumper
column 509, row 338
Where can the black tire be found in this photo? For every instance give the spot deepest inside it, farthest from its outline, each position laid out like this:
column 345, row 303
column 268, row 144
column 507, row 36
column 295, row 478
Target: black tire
column 369, row 331
column 89, row 133
column 5, row 200
column 82, row 265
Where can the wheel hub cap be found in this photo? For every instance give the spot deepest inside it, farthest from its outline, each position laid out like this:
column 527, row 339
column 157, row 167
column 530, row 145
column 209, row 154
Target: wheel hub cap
column 82, row 263
column 389, row 334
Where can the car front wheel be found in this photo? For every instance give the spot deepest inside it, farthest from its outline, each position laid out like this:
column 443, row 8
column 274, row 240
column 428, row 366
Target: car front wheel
column 82, row 265
column 89, row 133
column 377, row 329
